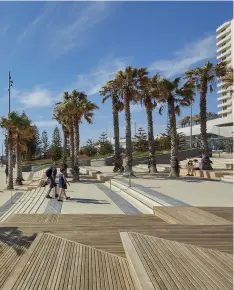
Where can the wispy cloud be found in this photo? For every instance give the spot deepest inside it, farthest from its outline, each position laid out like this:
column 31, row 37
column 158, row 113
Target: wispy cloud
column 36, row 98
column 74, row 33
column 96, row 79
column 49, row 123
column 191, row 54
column 47, row 11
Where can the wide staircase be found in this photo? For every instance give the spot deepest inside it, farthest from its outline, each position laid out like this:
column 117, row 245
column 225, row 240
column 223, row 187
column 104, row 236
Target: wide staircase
column 105, row 252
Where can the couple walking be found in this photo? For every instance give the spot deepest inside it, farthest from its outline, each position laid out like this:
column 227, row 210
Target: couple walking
column 51, row 174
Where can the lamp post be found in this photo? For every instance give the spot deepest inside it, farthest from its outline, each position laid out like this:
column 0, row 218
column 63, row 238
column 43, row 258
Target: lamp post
column 10, row 84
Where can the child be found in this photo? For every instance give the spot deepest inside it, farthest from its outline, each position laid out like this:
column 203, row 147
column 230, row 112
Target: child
column 63, row 185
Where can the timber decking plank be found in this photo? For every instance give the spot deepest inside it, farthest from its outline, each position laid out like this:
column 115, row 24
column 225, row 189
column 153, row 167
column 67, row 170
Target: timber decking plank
column 188, row 215
column 102, row 231
column 33, row 273
column 223, row 212
column 162, row 264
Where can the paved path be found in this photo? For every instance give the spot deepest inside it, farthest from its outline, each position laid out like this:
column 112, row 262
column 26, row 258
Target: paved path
column 196, row 192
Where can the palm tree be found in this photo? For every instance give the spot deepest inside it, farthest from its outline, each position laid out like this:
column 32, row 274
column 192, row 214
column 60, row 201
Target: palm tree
column 204, row 79
column 175, row 97
column 110, row 91
column 197, row 119
column 24, row 132
column 148, row 93
column 128, row 84
column 185, row 121
column 8, row 125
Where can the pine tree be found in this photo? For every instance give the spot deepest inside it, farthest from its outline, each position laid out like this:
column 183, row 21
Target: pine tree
column 56, row 145
column 140, row 144
column 45, row 144
column 105, row 146
column 89, row 149
column 34, row 146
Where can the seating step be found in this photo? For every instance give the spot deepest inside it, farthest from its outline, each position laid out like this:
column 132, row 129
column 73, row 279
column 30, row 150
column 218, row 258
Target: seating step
column 188, row 216
column 57, row 263
column 157, row 263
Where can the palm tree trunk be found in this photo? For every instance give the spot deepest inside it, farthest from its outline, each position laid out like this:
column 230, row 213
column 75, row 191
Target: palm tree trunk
column 72, row 146
column 151, row 141
column 128, row 135
column 174, row 146
column 10, row 162
column 76, row 151
column 205, row 162
column 64, row 146
column 115, row 111
column 19, row 176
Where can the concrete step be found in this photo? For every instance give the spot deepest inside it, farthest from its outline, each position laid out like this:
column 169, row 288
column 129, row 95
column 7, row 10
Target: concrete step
column 139, row 197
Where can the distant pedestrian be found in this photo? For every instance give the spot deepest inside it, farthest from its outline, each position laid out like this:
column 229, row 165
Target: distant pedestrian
column 63, row 185
column 51, row 182
column 6, row 172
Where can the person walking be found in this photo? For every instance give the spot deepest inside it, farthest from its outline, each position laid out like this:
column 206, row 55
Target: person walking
column 6, row 172
column 63, row 185
column 51, row 181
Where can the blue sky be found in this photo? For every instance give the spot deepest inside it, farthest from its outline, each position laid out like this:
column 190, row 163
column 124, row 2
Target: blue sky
column 50, row 47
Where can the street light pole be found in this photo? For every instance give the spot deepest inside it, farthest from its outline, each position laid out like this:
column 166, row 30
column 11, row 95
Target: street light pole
column 191, row 126
column 10, row 84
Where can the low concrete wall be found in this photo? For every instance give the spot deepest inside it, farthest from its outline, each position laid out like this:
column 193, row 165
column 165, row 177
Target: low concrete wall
column 161, row 159
column 165, row 158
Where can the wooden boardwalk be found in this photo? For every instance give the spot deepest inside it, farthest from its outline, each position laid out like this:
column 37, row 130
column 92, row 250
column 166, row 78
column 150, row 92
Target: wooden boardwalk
column 102, row 231
column 56, row 263
column 12, row 247
column 188, row 216
column 223, row 212
column 159, row 264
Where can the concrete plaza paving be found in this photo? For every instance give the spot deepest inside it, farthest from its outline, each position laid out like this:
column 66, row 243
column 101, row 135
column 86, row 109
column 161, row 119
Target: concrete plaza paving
column 90, row 196
column 192, row 191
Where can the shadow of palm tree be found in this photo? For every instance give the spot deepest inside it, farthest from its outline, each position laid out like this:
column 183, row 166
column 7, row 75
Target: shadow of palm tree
column 12, row 237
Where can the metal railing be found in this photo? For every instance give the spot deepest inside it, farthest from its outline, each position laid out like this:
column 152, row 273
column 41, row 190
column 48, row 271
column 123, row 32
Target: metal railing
column 129, row 179
column 41, row 167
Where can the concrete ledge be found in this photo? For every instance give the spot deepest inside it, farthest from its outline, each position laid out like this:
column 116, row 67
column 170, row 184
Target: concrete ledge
column 209, row 174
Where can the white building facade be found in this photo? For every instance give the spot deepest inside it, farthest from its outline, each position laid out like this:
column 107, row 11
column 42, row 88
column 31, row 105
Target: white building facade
column 224, row 43
column 222, row 126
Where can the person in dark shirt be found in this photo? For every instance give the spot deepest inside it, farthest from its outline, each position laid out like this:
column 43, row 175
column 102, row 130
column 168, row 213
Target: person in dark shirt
column 6, row 172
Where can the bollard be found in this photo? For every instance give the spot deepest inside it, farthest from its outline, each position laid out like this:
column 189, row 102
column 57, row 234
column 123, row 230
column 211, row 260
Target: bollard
column 110, row 184
column 130, row 181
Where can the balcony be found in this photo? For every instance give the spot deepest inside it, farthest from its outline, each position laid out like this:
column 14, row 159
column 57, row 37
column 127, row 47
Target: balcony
column 223, row 26
column 225, row 90
column 224, row 33
column 227, row 97
column 226, row 111
column 224, row 47
column 228, row 103
column 225, row 39
column 224, row 54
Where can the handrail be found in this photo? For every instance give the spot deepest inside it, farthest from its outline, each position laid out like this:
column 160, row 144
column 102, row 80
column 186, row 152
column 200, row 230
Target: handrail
column 129, row 178
column 38, row 168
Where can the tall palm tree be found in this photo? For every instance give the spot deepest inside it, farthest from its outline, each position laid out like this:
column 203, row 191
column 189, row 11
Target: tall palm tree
column 204, row 79
column 8, row 125
column 175, row 96
column 110, row 91
column 149, row 91
column 185, row 121
column 24, row 132
column 128, row 83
